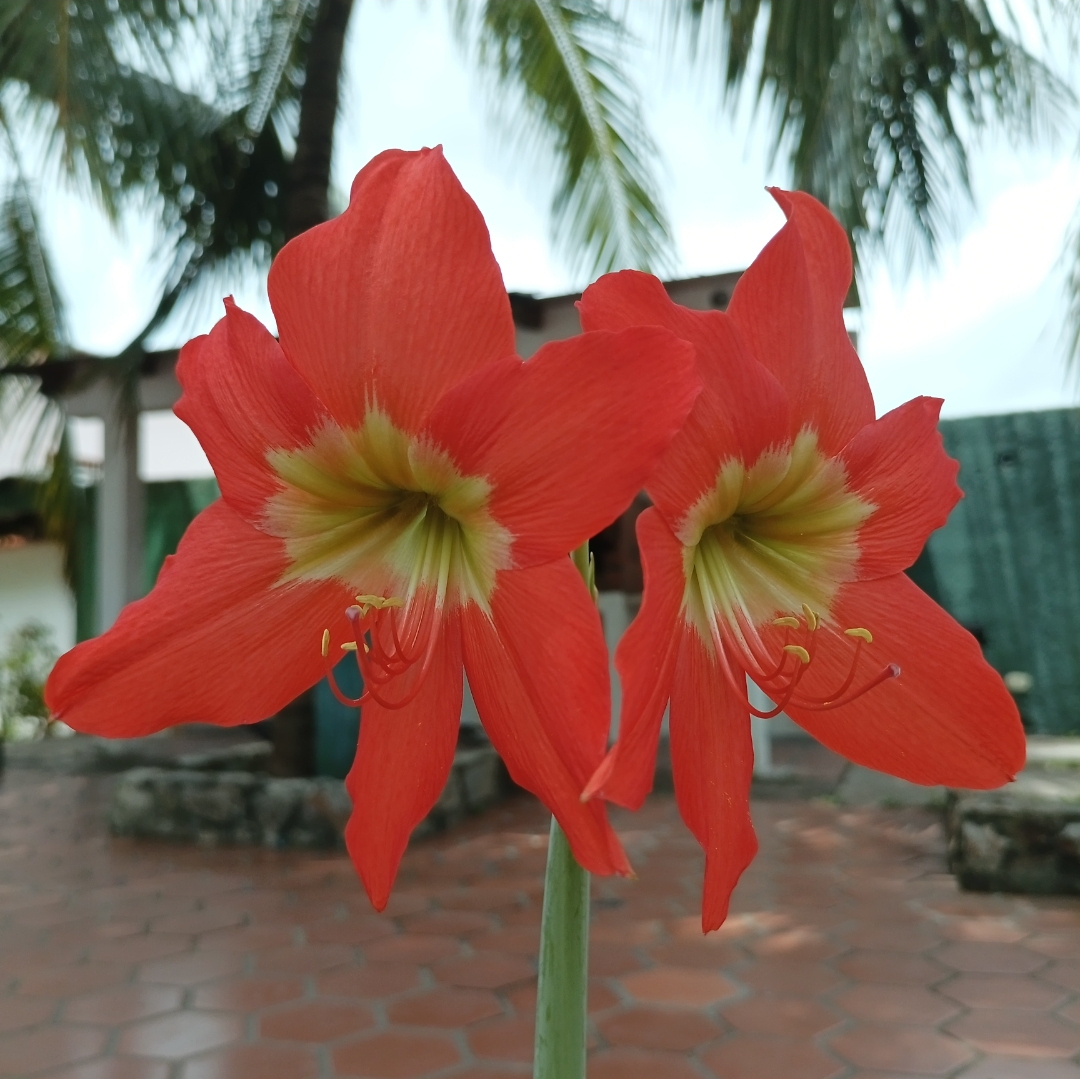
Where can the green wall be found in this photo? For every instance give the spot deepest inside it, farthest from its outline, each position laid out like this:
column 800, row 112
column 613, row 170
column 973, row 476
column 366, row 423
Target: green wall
column 1008, row 561
column 170, row 508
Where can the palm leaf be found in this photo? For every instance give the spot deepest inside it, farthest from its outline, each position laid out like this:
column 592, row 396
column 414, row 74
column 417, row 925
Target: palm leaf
column 871, row 101
column 30, row 310
column 562, row 63
column 70, row 70
column 225, row 176
column 1071, row 263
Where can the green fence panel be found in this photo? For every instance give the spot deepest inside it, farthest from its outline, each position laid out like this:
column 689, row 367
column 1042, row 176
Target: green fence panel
column 1008, row 562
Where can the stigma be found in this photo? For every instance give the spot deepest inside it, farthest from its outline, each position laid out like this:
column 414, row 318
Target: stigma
column 389, row 638
column 778, row 656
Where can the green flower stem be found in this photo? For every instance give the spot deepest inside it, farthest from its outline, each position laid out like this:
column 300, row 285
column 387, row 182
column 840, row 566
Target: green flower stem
column 564, row 965
column 562, row 991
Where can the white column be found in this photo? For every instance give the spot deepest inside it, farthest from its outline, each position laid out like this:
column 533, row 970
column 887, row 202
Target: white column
column 760, row 731
column 120, row 508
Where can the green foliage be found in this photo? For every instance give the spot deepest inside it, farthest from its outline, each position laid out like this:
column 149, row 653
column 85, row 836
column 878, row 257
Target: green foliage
column 94, row 83
column 24, row 667
column 71, row 72
column 874, row 103
column 561, row 66
column 30, row 309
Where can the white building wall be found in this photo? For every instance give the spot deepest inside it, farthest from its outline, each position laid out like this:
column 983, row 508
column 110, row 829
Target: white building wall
column 33, row 589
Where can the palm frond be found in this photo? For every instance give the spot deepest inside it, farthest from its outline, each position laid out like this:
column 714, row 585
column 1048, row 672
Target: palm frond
column 31, row 313
column 563, row 63
column 71, row 70
column 874, row 102
column 225, row 198
column 224, row 176
column 31, row 426
column 30, row 309
column 1071, row 265
column 274, row 69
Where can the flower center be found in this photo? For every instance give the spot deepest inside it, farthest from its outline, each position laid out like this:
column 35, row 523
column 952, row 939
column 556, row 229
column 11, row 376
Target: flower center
column 391, row 516
column 388, row 514
column 766, row 551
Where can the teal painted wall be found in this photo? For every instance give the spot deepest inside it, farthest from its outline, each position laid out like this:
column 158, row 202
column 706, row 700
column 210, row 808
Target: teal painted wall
column 1008, row 561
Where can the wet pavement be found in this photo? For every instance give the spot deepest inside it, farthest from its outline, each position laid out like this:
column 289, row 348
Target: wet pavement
column 850, row 954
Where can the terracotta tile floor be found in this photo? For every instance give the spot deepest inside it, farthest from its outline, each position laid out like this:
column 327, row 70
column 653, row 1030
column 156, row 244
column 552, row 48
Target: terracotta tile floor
column 850, row 954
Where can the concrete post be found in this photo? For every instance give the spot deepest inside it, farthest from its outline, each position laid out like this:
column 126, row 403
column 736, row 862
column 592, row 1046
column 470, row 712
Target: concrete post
column 760, row 732
column 120, row 512
column 615, row 619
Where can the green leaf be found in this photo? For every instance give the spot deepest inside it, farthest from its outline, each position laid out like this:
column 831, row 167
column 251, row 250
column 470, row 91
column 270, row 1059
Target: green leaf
column 571, row 101
column 874, row 103
column 73, row 72
column 31, row 315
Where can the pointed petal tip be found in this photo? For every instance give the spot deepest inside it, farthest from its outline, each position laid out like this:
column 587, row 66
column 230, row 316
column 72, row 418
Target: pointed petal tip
column 781, row 197
column 602, row 774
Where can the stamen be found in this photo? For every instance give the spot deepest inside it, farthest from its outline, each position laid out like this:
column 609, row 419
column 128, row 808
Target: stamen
column 380, row 602
column 348, row 646
column 738, row 686
column 380, row 665
column 741, row 652
column 349, row 702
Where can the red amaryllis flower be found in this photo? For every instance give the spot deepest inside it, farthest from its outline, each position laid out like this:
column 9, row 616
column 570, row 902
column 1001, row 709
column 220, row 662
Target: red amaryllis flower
column 784, row 515
column 391, row 472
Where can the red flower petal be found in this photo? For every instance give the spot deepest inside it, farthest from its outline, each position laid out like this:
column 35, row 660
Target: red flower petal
column 742, row 410
column 645, row 660
column 569, row 437
column 402, row 763
column 398, row 298
column 215, row 641
column 789, row 307
column 948, row 719
column 538, row 672
column 712, row 761
column 242, row 398
column 899, row 464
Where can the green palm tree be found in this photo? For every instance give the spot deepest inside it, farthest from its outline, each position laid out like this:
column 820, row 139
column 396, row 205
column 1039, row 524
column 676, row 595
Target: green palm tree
column 874, row 103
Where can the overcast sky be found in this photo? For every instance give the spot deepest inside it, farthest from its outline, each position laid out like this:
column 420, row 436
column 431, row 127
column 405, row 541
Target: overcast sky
column 983, row 329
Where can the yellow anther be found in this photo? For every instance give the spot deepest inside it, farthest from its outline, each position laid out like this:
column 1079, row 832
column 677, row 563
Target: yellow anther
column 349, row 646
column 798, row 650
column 788, row 621
column 811, row 618
column 379, row 602
column 325, row 642
column 862, row 634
